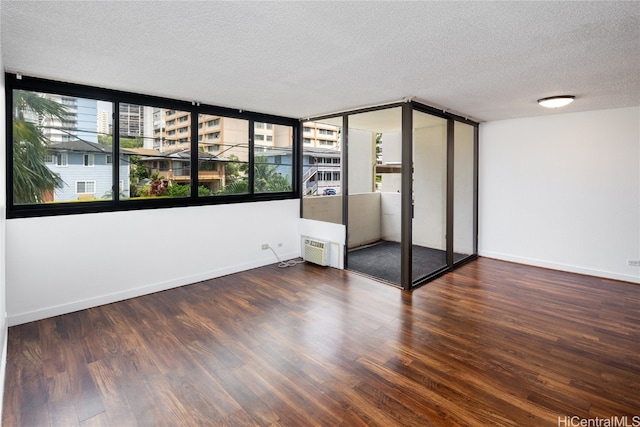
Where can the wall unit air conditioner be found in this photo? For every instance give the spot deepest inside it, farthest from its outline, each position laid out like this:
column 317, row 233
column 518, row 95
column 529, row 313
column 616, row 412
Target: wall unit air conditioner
column 315, row 251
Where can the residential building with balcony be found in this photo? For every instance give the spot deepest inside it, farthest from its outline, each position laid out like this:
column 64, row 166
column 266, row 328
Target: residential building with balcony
column 174, row 166
column 222, row 136
column 321, row 171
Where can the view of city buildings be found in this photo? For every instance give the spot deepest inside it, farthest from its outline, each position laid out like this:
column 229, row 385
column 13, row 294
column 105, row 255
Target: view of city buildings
column 160, row 141
column 320, row 135
column 321, row 165
column 84, row 166
column 79, row 121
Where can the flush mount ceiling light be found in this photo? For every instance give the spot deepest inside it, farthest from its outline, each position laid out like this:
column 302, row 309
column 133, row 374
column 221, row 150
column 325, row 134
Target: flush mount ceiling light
column 556, row 101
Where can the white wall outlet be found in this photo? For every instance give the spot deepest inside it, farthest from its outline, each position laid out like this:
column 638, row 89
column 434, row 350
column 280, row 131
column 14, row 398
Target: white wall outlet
column 265, row 246
column 633, row 262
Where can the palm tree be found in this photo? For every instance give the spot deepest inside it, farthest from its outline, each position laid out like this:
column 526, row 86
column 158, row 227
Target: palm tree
column 265, row 177
column 31, row 177
column 240, row 186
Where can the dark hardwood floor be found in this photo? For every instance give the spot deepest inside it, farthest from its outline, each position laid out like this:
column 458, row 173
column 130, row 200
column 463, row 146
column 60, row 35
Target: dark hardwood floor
column 492, row 343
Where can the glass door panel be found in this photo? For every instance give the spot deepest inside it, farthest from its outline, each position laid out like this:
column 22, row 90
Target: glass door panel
column 429, row 240
column 463, row 192
column 322, row 170
column 374, row 197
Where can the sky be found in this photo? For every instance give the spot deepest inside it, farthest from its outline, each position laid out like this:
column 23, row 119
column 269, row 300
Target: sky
column 108, row 107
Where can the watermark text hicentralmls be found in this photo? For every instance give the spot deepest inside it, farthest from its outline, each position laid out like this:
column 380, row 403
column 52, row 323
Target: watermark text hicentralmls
column 613, row 421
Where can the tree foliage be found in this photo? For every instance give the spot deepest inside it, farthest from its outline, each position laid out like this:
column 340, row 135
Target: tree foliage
column 236, row 187
column 234, row 170
column 137, row 142
column 32, row 179
column 159, row 188
column 266, row 179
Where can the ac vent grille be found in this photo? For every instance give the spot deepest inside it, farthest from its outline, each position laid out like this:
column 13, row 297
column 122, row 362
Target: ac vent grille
column 315, row 251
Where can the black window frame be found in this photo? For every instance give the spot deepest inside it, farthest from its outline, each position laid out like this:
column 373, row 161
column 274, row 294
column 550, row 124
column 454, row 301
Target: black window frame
column 21, row 82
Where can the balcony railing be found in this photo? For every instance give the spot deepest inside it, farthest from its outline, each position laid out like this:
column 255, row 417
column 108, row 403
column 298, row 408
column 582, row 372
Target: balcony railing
column 209, row 175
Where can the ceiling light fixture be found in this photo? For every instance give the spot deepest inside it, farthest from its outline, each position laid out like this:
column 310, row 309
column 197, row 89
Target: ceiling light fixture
column 556, row 101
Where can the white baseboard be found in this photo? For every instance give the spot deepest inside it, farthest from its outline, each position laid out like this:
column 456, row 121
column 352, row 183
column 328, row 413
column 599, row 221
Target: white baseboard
column 17, row 319
column 562, row 267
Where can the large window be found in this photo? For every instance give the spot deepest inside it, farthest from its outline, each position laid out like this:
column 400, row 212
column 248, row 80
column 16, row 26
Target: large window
column 116, row 151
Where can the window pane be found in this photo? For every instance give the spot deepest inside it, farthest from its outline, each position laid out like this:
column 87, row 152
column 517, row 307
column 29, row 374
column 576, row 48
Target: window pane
column 322, row 171
column 273, row 159
column 429, row 225
column 62, row 159
column 58, row 140
column 89, row 160
column 463, row 191
column 85, row 187
column 155, row 152
column 223, row 154
column 374, row 157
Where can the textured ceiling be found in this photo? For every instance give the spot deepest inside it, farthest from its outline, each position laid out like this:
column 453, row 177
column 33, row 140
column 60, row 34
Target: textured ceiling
column 483, row 60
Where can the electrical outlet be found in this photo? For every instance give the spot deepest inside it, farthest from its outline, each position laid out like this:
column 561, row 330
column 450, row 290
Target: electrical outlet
column 265, row 246
column 633, row 263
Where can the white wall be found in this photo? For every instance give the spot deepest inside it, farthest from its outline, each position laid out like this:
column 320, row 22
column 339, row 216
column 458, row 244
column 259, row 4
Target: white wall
column 430, row 185
column 61, row 264
column 391, row 216
column 364, row 219
column 3, row 198
column 391, row 147
column 563, row 191
column 391, row 154
column 362, row 161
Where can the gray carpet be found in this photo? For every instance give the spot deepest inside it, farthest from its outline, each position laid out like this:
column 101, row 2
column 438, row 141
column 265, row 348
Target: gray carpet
column 382, row 260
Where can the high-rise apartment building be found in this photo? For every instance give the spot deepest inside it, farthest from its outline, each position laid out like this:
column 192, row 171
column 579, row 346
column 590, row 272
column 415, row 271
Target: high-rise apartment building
column 103, row 127
column 131, row 120
column 79, row 121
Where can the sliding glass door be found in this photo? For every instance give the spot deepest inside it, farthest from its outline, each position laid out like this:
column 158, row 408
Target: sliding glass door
column 408, row 193
column 322, row 170
column 374, row 196
column 429, row 224
column 464, row 219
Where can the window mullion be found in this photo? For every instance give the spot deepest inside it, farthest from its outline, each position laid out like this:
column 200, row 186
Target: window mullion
column 194, row 152
column 251, row 156
column 115, row 147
